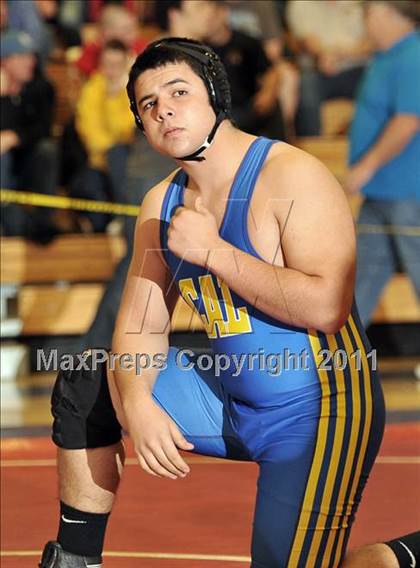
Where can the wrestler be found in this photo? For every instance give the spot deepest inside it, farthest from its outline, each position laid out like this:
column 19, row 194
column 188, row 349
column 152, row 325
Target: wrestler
column 257, row 237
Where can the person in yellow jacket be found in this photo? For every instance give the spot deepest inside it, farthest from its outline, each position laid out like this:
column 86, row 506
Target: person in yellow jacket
column 105, row 127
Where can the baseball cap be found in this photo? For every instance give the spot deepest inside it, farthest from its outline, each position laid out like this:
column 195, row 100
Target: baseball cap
column 15, row 42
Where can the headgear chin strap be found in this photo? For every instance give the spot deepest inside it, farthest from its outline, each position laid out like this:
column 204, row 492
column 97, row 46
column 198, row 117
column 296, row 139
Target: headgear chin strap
column 195, row 156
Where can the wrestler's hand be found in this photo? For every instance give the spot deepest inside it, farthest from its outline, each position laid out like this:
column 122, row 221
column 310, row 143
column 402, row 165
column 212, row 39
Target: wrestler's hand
column 156, row 440
column 193, row 234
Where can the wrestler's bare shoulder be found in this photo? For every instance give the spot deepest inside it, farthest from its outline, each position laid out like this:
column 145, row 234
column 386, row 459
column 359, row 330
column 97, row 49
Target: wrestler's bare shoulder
column 152, row 203
column 294, row 170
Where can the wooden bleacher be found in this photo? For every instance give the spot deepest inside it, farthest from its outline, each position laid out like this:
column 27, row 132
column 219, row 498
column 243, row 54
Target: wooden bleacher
column 336, row 116
column 59, row 286
column 71, row 258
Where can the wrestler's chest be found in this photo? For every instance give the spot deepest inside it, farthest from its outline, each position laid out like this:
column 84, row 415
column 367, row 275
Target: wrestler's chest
column 262, row 225
column 264, row 231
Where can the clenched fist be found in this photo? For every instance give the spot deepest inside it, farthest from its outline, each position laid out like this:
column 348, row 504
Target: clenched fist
column 193, row 234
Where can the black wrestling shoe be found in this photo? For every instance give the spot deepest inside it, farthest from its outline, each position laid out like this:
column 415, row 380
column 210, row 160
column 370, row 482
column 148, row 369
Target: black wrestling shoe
column 55, row 557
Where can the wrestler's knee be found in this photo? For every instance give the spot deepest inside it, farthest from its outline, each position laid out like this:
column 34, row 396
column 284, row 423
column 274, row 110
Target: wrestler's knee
column 373, row 555
column 84, row 416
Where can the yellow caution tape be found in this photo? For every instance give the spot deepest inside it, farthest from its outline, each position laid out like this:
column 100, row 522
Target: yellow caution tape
column 60, row 202
column 403, row 230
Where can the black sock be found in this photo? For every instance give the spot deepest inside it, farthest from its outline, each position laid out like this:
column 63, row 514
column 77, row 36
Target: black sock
column 85, row 537
column 406, row 548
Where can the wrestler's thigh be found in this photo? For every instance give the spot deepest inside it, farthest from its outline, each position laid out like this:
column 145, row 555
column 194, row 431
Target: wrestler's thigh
column 285, row 455
column 313, row 470
column 195, row 401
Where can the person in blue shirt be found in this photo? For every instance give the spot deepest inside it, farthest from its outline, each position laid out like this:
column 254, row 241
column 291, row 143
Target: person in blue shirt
column 385, row 152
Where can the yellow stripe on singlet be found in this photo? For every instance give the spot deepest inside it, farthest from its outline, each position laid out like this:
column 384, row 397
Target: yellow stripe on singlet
column 319, row 453
column 334, row 460
column 365, row 435
column 351, row 451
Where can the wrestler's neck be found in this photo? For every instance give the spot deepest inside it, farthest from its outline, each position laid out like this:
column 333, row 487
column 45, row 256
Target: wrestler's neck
column 222, row 160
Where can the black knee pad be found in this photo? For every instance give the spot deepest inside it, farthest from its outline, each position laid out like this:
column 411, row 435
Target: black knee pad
column 407, row 550
column 81, row 405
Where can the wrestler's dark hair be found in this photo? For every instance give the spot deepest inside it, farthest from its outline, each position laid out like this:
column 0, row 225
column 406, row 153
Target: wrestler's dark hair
column 153, row 58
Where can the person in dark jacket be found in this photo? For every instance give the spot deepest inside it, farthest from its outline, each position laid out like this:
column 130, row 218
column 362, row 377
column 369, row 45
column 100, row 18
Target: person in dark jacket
column 28, row 155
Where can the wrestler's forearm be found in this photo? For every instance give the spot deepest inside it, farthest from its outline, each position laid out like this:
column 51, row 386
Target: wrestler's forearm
column 147, row 351
column 288, row 295
column 141, row 331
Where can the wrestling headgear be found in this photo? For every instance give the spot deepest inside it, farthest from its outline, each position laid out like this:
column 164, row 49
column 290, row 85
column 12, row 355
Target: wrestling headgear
column 204, row 61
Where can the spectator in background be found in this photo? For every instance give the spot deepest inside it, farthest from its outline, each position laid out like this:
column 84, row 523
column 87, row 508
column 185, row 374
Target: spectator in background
column 115, row 22
column 105, row 126
column 95, row 7
column 331, row 51
column 63, row 35
column 72, row 13
column 263, row 20
column 28, row 17
column 41, row 20
column 385, row 151
column 28, row 154
column 260, row 20
column 254, row 80
column 179, row 17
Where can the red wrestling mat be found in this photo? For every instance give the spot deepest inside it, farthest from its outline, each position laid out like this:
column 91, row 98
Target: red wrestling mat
column 201, row 521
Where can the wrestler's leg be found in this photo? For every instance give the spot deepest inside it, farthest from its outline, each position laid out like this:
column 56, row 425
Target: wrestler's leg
column 89, row 468
column 401, row 552
column 375, row 556
column 89, row 479
column 88, row 435
column 285, row 459
column 194, row 400
column 315, row 458
column 90, row 459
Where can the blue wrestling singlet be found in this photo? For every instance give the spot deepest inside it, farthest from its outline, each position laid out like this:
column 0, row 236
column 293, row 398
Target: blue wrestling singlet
column 314, row 428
